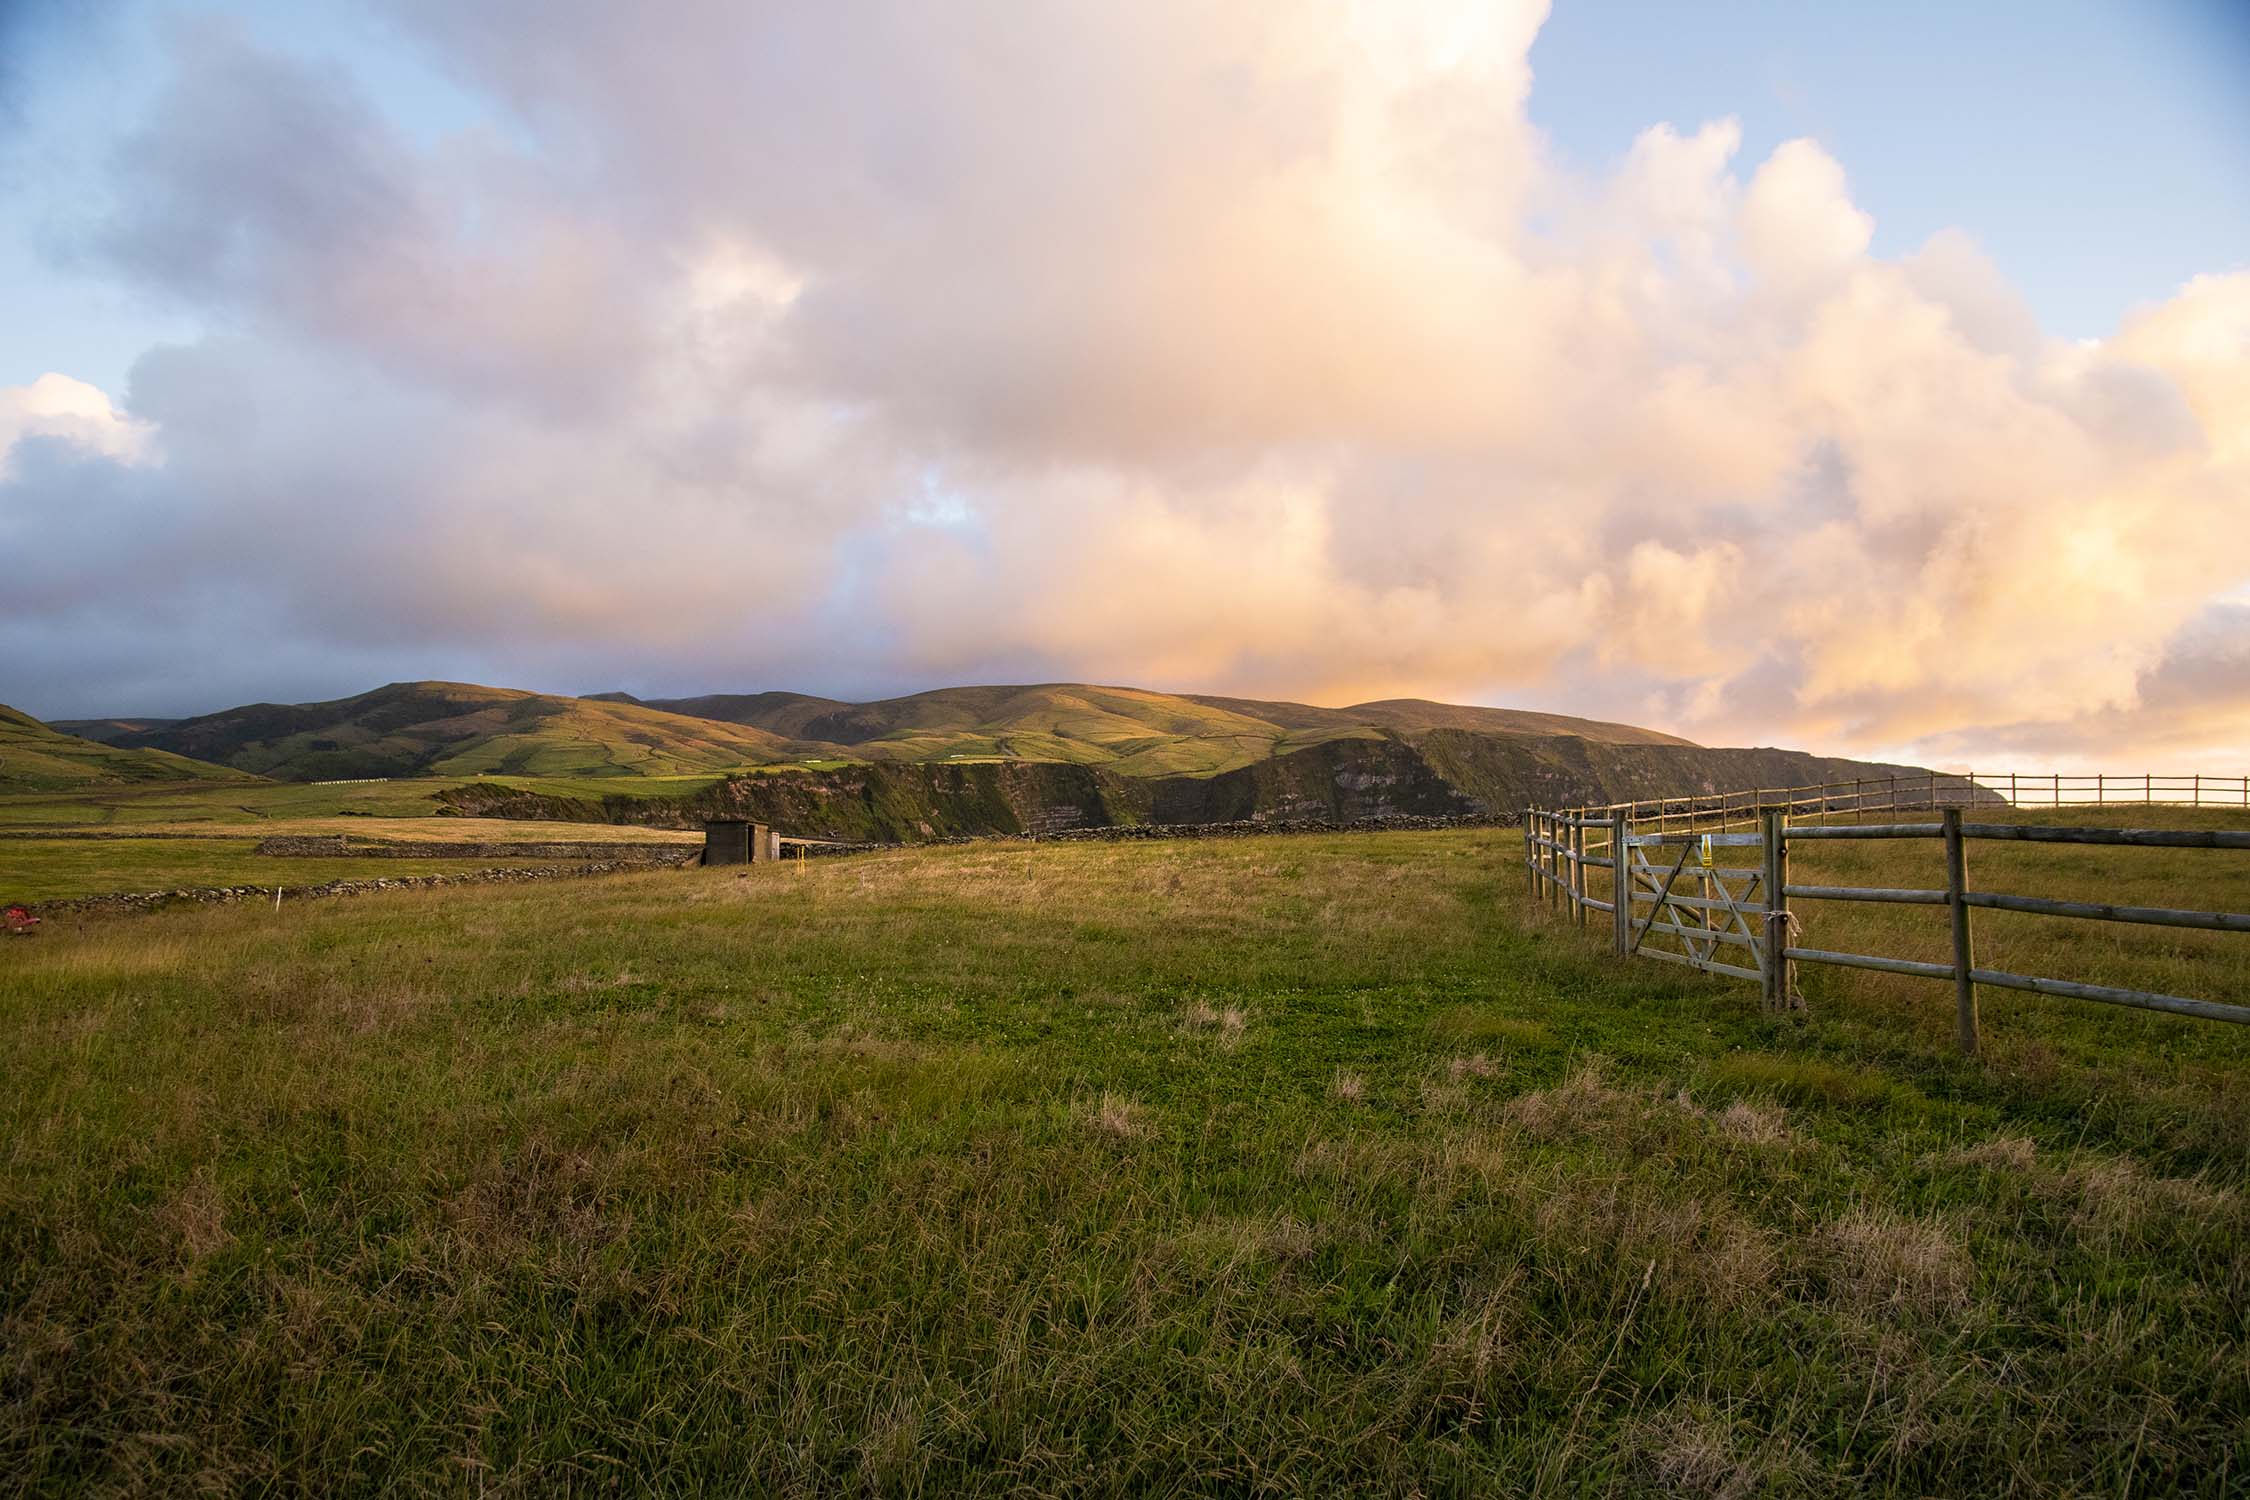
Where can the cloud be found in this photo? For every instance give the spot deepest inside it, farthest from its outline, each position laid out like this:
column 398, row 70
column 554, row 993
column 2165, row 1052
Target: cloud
column 276, row 192
column 1239, row 347
column 70, row 412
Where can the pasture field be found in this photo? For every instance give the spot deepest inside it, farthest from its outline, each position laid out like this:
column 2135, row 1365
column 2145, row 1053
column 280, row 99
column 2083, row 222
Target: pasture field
column 1311, row 1164
column 35, row 870
column 41, row 861
column 254, row 804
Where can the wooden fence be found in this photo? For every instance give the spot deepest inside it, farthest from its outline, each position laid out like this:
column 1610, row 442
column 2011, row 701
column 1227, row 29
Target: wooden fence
column 1928, row 791
column 1738, row 920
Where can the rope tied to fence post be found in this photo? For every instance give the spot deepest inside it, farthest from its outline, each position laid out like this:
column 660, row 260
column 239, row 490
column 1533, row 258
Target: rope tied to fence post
column 1790, row 926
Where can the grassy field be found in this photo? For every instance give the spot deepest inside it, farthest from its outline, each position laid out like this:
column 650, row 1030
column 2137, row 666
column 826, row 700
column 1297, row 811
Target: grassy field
column 406, row 830
column 1293, row 1165
column 256, row 803
column 203, row 849
column 37, row 870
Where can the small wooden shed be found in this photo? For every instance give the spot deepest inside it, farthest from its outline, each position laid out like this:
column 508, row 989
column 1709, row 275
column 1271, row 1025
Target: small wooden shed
column 737, row 841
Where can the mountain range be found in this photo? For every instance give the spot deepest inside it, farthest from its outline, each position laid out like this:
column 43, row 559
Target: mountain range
column 951, row 760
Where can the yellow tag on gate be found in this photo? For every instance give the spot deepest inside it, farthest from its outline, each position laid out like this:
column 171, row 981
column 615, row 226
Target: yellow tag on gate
column 1707, row 851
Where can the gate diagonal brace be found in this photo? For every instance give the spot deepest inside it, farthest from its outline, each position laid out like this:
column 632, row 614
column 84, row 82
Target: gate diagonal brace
column 1658, row 909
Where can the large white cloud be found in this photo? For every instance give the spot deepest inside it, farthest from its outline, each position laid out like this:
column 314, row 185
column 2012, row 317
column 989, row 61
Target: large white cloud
column 1233, row 346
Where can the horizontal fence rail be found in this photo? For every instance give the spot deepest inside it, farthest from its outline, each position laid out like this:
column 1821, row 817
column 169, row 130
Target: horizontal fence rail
column 1690, row 871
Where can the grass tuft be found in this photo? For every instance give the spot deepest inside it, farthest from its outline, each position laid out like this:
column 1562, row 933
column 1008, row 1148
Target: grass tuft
column 1886, row 1263
column 1468, row 1025
column 1810, row 1080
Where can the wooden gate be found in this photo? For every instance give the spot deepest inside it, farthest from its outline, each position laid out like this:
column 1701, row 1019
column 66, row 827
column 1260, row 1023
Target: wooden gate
column 1712, row 901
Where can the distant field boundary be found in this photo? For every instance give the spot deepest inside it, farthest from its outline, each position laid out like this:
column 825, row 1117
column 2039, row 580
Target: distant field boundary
column 1118, row 833
column 229, row 895
column 344, row 846
column 1745, row 909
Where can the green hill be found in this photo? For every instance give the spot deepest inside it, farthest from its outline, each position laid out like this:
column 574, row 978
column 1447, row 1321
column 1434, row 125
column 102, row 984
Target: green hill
column 458, row 729
column 37, row 757
column 1131, row 731
column 1414, row 717
column 109, row 731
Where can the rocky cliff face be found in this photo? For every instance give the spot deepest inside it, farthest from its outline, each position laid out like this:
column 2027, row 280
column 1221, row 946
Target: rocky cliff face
column 1334, row 782
column 1508, row 775
column 1442, row 773
column 883, row 802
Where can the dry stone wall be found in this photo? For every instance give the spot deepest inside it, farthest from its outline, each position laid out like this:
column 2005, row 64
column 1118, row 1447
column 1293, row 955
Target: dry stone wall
column 227, row 895
column 333, row 846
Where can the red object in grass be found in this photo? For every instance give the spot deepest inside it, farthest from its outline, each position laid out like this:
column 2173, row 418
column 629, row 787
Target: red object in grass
column 20, row 921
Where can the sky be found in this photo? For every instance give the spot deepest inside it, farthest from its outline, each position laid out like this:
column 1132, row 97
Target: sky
column 1874, row 380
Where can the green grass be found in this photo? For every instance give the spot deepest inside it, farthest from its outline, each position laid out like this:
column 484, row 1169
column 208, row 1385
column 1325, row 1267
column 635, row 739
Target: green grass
column 34, row 757
column 35, row 870
column 1294, row 1165
column 256, row 803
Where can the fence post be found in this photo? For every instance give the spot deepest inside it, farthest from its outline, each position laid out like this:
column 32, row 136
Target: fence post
column 1530, row 870
column 1560, row 836
column 1621, row 893
column 1777, row 912
column 1585, row 879
column 1573, row 838
column 1548, row 830
column 1578, row 842
column 1964, row 960
column 1539, row 853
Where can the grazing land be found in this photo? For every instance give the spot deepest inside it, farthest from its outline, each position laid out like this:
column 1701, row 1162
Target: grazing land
column 1319, row 1164
column 390, row 808
column 60, row 869
column 185, row 855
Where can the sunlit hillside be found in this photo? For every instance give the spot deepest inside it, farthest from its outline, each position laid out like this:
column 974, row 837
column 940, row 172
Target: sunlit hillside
column 1131, row 731
column 35, row 757
column 460, row 729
